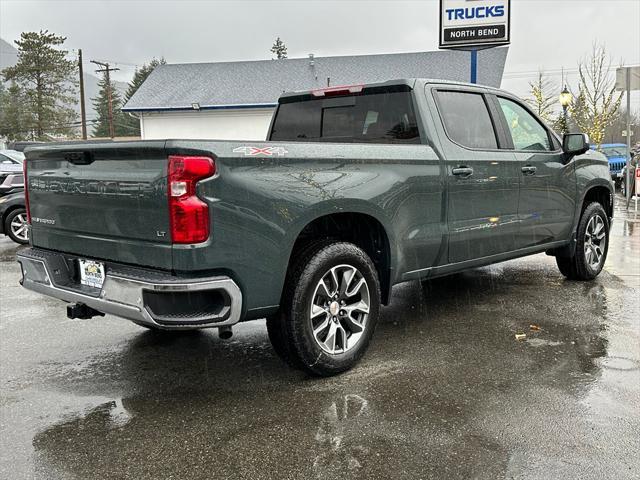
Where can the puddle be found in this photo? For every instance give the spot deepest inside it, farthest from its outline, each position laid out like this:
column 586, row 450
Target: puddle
column 541, row 342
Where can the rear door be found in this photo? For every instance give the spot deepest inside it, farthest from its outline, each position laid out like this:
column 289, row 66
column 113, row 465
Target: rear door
column 546, row 205
column 106, row 201
column 482, row 180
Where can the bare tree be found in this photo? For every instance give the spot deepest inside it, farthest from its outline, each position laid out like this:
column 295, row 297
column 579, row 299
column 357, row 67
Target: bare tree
column 543, row 96
column 595, row 106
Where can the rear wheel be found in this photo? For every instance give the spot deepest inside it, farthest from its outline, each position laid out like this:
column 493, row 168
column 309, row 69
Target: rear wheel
column 591, row 247
column 16, row 226
column 329, row 310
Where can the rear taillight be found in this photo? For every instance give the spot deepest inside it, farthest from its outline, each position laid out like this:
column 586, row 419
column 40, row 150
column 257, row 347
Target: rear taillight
column 26, row 190
column 188, row 215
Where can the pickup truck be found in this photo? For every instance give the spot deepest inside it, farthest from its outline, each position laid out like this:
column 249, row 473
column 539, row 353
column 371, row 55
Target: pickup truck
column 357, row 188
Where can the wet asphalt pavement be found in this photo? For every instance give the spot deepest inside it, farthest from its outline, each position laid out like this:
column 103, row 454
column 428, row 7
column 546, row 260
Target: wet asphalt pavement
column 445, row 391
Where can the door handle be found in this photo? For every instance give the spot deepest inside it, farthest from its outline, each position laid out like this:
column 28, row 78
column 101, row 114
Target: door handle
column 463, row 171
column 529, row 170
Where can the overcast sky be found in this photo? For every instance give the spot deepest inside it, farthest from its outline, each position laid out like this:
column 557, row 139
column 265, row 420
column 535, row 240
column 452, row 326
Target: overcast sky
column 548, row 34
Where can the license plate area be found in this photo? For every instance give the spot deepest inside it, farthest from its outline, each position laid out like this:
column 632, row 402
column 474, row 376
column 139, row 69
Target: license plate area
column 91, row 273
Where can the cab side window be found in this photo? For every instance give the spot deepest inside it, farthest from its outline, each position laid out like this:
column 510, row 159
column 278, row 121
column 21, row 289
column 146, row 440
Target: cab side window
column 466, row 119
column 526, row 131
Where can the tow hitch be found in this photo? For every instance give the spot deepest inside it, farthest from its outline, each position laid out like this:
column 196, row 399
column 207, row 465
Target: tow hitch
column 81, row 311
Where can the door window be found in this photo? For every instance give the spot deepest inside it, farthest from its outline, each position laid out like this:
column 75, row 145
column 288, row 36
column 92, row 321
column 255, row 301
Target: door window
column 466, row 119
column 526, row 131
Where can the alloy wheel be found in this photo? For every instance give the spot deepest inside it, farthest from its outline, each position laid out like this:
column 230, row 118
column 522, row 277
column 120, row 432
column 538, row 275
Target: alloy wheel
column 595, row 242
column 19, row 227
column 340, row 309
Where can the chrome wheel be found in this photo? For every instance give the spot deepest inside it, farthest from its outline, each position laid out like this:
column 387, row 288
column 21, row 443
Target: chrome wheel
column 19, row 227
column 339, row 309
column 595, row 242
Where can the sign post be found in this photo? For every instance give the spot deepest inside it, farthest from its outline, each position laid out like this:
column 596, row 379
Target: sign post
column 628, row 78
column 474, row 25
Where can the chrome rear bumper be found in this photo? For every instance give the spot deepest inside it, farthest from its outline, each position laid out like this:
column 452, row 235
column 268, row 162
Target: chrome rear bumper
column 128, row 294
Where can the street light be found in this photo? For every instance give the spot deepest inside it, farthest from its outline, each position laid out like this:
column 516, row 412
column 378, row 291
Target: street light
column 565, row 101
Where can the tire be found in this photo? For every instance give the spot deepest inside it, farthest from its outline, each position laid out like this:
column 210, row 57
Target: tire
column 277, row 323
column 279, row 341
column 342, row 330
column 15, row 226
column 591, row 247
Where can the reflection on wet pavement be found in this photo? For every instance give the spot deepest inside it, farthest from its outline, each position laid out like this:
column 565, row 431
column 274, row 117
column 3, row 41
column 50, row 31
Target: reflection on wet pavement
column 446, row 390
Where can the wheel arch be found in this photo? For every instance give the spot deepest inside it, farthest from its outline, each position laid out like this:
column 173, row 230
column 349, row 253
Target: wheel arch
column 362, row 228
column 601, row 193
column 597, row 191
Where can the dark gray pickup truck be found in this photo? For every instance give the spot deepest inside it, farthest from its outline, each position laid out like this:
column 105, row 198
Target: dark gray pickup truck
column 358, row 188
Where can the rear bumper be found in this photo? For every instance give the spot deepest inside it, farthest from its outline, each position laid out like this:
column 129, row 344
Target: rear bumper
column 151, row 298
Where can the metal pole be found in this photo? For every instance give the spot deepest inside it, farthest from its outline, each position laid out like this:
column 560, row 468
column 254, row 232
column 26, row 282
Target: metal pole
column 628, row 179
column 111, row 129
column 474, row 66
column 106, row 70
column 83, row 114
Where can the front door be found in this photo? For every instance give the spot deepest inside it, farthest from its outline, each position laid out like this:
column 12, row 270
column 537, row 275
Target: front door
column 482, row 179
column 546, row 205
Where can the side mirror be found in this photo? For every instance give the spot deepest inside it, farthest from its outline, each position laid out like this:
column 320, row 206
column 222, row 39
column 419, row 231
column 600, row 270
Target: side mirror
column 575, row 143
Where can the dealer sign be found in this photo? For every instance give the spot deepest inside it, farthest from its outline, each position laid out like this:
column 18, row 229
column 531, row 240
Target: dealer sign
column 472, row 23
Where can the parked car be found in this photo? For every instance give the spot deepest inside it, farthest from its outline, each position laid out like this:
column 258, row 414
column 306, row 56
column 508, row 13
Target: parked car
column 11, row 178
column 358, row 188
column 13, row 217
column 616, row 154
column 623, row 183
column 21, row 145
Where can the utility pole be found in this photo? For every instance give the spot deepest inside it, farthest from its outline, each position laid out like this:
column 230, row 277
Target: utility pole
column 107, row 69
column 83, row 114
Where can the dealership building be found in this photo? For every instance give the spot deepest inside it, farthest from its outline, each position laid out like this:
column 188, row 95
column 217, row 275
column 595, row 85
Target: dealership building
column 235, row 100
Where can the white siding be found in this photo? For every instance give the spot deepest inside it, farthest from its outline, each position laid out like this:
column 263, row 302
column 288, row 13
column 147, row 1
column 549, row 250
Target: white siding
column 240, row 124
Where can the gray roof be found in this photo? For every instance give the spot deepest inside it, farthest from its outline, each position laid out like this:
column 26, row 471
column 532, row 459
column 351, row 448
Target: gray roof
column 260, row 83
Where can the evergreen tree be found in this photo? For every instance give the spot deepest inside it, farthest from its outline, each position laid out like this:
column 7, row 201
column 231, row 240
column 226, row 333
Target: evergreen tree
column 279, row 48
column 139, row 77
column 561, row 124
column 101, row 106
column 15, row 122
column 47, row 81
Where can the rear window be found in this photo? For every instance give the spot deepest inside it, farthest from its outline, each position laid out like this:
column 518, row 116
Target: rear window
column 386, row 117
column 466, row 119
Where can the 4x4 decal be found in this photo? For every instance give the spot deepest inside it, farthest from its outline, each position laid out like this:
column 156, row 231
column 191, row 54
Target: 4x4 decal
column 255, row 151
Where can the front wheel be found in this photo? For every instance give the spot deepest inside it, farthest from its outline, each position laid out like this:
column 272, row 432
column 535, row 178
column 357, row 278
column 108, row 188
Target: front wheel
column 329, row 310
column 591, row 247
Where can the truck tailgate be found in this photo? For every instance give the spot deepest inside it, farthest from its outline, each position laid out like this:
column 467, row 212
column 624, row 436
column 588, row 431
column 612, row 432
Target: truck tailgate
column 106, row 201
